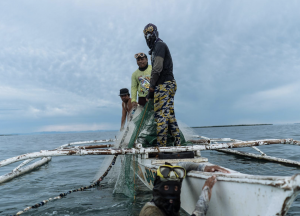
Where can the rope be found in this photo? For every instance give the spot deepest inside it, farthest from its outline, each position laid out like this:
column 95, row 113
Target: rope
column 134, row 179
column 157, row 148
column 96, row 183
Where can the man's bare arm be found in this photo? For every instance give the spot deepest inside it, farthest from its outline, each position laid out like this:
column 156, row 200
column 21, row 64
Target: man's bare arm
column 130, row 106
column 215, row 168
column 202, row 204
column 123, row 119
column 134, row 89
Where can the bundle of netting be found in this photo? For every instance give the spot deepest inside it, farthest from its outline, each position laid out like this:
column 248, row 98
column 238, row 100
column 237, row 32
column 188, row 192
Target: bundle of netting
column 140, row 129
column 145, row 129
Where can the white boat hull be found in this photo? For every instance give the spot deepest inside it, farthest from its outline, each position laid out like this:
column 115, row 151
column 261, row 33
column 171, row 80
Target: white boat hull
column 234, row 194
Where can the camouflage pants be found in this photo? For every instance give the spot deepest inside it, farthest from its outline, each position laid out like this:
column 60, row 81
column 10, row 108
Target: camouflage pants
column 164, row 112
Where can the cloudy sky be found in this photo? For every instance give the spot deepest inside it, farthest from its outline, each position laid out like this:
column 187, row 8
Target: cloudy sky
column 62, row 63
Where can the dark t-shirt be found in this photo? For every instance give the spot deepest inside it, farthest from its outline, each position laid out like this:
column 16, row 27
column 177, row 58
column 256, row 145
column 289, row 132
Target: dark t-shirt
column 162, row 64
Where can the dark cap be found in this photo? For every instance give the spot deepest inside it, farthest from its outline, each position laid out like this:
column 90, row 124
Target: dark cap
column 124, row 91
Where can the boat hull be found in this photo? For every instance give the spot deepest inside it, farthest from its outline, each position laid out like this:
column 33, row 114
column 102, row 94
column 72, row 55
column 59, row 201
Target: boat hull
column 234, row 194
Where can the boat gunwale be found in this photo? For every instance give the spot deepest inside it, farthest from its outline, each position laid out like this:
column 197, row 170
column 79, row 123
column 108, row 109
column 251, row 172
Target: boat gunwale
column 283, row 182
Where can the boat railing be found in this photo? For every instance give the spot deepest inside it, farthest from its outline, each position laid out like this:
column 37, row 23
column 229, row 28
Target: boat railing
column 203, row 143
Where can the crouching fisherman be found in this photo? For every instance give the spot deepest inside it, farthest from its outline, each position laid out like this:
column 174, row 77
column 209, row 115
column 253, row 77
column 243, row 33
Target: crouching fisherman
column 126, row 106
column 167, row 189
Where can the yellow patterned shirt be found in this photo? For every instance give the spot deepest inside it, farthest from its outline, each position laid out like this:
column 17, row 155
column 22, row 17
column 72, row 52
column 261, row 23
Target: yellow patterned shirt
column 140, row 82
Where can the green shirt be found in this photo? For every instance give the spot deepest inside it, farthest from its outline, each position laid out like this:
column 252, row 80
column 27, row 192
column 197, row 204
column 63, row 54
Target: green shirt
column 140, row 82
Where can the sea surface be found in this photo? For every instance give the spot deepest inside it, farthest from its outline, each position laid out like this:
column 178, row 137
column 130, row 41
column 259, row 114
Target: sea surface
column 71, row 172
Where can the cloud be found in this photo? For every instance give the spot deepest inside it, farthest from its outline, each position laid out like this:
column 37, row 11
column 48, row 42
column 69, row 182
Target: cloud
column 278, row 98
column 39, row 103
column 62, row 60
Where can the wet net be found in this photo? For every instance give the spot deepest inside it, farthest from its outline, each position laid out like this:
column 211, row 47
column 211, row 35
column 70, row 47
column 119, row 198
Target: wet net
column 145, row 129
column 141, row 129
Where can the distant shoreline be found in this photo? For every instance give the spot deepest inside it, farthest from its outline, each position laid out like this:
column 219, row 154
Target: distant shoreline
column 57, row 132
column 8, row 134
column 231, row 125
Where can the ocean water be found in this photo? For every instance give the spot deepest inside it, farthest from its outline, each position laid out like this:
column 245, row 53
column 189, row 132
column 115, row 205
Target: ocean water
column 71, row 172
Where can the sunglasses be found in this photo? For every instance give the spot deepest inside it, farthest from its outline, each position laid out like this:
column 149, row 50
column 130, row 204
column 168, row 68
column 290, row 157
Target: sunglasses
column 165, row 170
column 139, row 55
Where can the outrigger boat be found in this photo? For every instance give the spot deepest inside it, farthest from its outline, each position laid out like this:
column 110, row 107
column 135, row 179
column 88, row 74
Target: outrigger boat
column 234, row 194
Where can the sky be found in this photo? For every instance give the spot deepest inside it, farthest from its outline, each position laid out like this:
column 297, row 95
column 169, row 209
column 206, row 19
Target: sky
column 62, row 63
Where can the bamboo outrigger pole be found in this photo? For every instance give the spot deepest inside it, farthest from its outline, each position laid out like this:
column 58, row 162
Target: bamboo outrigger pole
column 263, row 157
column 80, row 152
column 88, row 147
column 20, row 170
column 87, row 142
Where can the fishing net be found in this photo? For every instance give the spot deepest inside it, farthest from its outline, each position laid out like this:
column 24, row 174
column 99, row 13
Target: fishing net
column 141, row 129
column 122, row 141
column 145, row 129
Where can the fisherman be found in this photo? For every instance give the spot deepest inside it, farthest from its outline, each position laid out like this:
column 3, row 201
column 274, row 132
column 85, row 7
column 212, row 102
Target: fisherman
column 140, row 80
column 167, row 189
column 162, row 86
column 126, row 105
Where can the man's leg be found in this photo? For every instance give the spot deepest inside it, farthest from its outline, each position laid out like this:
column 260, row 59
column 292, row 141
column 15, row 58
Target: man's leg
column 160, row 101
column 172, row 119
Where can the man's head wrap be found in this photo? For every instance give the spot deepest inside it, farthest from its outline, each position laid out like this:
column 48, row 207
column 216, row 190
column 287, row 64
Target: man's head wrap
column 151, row 35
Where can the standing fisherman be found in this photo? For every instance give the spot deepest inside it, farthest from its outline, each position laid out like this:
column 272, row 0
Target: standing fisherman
column 163, row 85
column 140, row 80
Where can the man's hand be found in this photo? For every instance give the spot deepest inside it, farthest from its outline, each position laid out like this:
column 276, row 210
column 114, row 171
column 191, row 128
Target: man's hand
column 215, row 169
column 150, row 94
column 210, row 182
column 151, row 89
column 122, row 128
column 134, row 104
